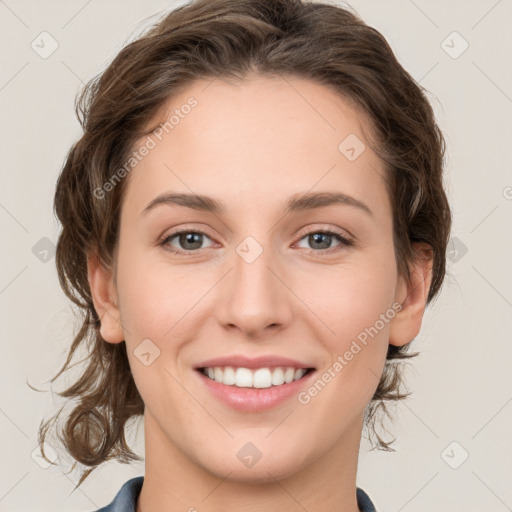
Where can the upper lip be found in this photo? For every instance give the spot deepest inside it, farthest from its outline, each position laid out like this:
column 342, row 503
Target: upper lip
column 240, row 361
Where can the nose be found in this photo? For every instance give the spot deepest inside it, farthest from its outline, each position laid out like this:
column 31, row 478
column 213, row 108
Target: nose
column 254, row 296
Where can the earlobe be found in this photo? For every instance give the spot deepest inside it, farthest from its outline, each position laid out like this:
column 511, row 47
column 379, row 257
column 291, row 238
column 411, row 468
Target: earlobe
column 412, row 296
column 104, row 298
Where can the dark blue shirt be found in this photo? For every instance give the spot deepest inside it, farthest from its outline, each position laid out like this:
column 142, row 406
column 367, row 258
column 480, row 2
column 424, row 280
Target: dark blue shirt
column 126, row 498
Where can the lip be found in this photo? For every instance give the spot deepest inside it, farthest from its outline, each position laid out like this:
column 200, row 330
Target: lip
column 240, row 361
column 255, row 399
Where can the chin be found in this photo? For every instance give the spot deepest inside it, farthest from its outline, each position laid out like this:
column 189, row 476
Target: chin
column 237, row 465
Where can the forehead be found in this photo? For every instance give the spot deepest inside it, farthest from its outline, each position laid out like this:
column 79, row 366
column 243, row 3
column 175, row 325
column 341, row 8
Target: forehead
column 262, row 139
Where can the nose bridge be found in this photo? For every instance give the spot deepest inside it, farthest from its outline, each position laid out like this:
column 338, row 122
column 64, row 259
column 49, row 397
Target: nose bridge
column 251, row 265
column 255, row 297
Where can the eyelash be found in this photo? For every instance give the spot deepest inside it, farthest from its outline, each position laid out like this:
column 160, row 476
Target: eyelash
column 342, row 239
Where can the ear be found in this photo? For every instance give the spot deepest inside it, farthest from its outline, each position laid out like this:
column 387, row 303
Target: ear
column 412, row 295
column 101, row 283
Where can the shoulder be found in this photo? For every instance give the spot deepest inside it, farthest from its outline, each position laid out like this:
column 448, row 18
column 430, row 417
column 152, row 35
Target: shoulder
column 126, row 498
column 364, row 502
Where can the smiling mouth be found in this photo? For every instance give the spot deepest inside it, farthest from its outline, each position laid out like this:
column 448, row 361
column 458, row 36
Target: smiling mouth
column 260, row 378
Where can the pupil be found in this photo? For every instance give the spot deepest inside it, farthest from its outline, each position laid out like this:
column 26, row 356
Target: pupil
column 318, row 236
column 189, row 238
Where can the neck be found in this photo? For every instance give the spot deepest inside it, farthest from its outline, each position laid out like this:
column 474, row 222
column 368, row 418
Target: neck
column 174, row 482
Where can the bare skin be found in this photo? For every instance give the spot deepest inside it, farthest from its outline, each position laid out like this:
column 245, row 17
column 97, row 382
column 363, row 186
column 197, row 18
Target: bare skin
column 251, row 147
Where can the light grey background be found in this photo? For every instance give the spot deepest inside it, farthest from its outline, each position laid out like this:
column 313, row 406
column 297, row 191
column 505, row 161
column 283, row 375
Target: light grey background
column 461, row 382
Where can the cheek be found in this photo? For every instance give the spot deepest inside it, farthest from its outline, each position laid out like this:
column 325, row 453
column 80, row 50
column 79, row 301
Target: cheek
column 352, row 297
column 358, row 312
column 157, row 305
column 359, row 319
column 152, row 296
column 152, row 307
column 362, row 301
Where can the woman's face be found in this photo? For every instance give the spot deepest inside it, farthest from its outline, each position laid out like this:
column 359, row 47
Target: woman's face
column 256, row 279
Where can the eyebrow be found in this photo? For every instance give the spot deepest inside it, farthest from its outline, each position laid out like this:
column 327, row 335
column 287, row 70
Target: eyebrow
column 297, row 202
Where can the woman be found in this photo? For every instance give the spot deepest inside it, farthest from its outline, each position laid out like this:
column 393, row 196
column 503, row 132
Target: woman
column 286, row 144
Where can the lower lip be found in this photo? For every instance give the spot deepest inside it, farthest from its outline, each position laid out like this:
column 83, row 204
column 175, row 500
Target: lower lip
column 255, row 399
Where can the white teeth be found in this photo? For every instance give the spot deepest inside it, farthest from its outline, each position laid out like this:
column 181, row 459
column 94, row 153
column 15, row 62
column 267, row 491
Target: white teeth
column 228, row 376
column 260, row 378
column 217, row 373
column 289, row 374
column 299, row 372
column 278, row 377
column 243, row 378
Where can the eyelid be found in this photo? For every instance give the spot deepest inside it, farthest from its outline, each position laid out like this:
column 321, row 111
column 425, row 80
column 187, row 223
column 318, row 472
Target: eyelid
column 325, row 228
column 183, row 229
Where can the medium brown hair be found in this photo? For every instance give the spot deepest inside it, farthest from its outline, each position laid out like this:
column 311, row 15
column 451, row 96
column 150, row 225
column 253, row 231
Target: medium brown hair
column 230, row 39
